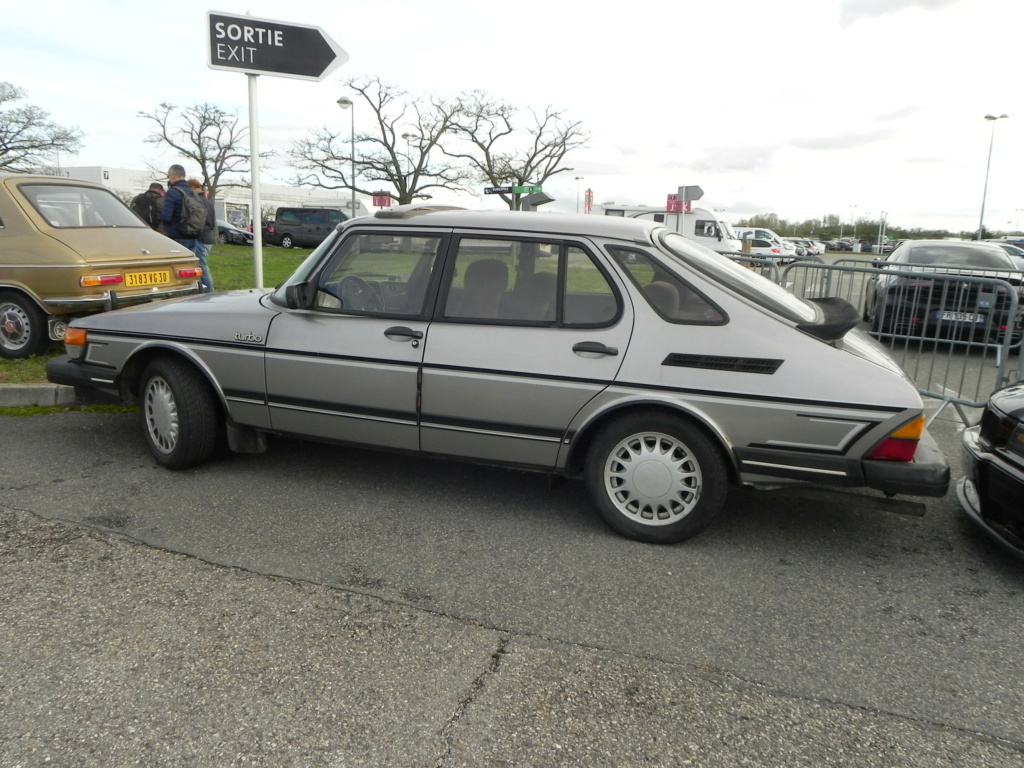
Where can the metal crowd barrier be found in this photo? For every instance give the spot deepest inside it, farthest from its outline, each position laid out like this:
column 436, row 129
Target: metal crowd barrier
column 956, row 350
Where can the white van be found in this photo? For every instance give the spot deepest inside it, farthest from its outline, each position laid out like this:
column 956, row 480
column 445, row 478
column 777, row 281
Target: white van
column 700, row 225
column 786, row 249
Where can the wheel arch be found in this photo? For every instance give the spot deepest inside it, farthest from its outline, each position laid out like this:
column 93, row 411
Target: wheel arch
column 584, row 437
column 25, row 292
column 131, row 372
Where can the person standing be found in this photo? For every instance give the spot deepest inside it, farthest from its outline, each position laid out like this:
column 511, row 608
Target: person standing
column 207, row 239
column 150, row 204
column 177, row 189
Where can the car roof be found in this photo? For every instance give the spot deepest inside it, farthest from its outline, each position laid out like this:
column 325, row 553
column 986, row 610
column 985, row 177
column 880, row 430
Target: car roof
column 414, row 216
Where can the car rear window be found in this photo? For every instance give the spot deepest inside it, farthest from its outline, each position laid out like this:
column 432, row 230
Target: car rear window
column 958, row 256
column 740, row 280
column 68, row 207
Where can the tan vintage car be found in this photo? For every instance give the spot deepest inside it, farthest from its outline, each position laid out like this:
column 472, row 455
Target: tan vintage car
column 69, row 248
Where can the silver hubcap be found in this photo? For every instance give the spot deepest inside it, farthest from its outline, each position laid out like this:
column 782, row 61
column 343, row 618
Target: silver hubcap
column 161, row 415
column 15, row 326
column 653, row 478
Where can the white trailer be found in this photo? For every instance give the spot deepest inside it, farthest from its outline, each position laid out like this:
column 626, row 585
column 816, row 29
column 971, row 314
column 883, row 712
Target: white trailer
column 700, row 225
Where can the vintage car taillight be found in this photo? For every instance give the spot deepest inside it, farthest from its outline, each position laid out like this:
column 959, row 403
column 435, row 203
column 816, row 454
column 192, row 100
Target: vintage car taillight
column 901, row 444
column 91, row 281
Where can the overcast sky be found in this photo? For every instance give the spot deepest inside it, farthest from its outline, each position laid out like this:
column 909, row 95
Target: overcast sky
column 798, row 107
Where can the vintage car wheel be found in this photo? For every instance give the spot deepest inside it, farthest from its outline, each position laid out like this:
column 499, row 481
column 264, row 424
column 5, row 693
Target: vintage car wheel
column 22, row 326
column 655, row 477
column 286, row 241
column 178, row 412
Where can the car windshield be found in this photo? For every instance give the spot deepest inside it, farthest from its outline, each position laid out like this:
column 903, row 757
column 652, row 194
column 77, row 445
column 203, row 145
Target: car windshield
column 305, row 269
column 739, row 279
column 69, row 207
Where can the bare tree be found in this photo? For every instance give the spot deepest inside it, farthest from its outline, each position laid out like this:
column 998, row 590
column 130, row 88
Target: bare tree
column 28, row 139
column 501, row 155
column 399, row 154
column 208, row 136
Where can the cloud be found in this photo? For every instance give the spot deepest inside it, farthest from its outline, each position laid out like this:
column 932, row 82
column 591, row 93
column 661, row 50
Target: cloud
column 843, row 140
column 852, row 11
column 720, row 159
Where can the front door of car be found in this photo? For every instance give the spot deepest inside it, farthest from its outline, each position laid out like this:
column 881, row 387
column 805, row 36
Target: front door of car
column 525, row 334
column 347, row 368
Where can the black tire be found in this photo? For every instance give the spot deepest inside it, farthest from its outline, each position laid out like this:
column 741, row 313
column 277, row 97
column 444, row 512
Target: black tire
column 22, row 326
column 655, row 477
column 178, row 413
column 286, row 241
column 222, row 238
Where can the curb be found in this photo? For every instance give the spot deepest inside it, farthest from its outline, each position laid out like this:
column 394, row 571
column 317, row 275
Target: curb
column 27, row 395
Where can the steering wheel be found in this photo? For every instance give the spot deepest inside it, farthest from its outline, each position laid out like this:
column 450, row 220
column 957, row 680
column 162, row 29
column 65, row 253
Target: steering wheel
column 357, row 294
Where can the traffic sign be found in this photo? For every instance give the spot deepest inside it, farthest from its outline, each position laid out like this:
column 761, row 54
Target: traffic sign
column 689, row 194
column 264, row 47
column 527, row 190
column 499, row 190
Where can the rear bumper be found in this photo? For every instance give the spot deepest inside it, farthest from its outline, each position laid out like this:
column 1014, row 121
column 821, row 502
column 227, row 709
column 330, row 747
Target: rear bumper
column 112, row 300
column 926, row 475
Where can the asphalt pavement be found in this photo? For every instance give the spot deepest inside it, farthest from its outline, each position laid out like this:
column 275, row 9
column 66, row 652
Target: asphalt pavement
column 116, row 653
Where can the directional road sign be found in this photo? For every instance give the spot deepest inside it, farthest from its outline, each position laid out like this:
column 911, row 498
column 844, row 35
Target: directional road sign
column 527, row 189
column 265, row 47
column 498, row 190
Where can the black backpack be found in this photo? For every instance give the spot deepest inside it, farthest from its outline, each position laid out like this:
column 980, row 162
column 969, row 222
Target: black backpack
column 144, row 207
column 193, row 215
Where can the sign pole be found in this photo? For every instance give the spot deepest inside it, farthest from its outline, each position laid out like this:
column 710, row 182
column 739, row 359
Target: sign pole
column 254, row 170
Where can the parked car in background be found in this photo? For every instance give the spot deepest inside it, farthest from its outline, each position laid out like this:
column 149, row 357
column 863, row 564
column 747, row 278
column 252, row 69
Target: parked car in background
column 607, row 349
column 765, row 249
column 992, row 489
column 917, row 304
column 1015, row 252
column 229, row 234
column 304, row 227
column 71, row 247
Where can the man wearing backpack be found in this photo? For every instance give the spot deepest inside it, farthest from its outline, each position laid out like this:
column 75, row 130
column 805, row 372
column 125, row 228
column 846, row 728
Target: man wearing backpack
column 150, row 204
column 184, row 217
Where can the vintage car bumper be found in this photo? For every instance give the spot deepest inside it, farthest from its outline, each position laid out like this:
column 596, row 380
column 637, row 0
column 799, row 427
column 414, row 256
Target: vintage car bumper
column 992, row 493
column 926, row 475
column 72, row 373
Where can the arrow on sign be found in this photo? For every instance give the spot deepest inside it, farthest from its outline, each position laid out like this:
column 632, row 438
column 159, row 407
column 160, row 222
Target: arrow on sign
column 265, row 47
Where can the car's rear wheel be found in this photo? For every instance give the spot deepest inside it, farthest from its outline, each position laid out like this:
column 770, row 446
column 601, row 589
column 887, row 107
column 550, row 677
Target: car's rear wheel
column 178, row 412
column 222, row 238
column 286, row 241
column 656, row 477
column 22, row 326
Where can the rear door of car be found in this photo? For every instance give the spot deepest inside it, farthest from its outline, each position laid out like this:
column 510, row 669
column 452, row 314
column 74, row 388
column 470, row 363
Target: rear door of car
column 515, row 353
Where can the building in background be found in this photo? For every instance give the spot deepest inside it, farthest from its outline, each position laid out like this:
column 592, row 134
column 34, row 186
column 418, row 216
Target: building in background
column 233, row 204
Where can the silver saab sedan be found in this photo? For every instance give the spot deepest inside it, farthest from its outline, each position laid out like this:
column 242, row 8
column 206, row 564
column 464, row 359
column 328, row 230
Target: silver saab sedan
column 611, row 350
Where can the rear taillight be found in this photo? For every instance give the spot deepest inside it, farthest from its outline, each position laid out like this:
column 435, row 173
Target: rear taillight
column 901, row 444
column 91, row 281
column 190, row 272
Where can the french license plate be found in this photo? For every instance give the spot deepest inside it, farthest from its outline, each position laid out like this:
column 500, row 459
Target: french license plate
column 140, row 279
column 963, row 317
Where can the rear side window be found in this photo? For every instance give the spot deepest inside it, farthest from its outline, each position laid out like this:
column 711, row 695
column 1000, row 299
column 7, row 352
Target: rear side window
column 668, row 295
column 528, row 282
column 69, row 207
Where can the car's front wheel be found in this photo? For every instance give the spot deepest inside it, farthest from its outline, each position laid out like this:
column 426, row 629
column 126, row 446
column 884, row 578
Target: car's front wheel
column 655, row 477
column 179, row 413
column 22, row 326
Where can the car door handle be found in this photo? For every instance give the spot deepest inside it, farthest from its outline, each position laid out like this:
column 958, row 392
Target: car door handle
column 402, row 333
column 593, row 349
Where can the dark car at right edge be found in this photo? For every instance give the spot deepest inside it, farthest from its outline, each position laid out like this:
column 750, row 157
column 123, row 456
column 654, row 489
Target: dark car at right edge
column 992, row 489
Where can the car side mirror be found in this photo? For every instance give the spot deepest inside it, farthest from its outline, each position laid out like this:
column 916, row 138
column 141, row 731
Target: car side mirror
column 298, row 296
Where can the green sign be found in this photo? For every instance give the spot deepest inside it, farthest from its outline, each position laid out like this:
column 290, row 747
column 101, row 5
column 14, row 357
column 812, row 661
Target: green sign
column 527, row 190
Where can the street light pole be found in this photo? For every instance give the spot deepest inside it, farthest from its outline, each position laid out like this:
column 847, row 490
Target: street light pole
column 578, row 179
column 984, row 192
column 408, row 148
column 346, row 103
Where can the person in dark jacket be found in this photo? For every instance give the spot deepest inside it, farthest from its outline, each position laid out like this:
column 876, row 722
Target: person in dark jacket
column 150, row 204
column 177, row 188
column 207, row 239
